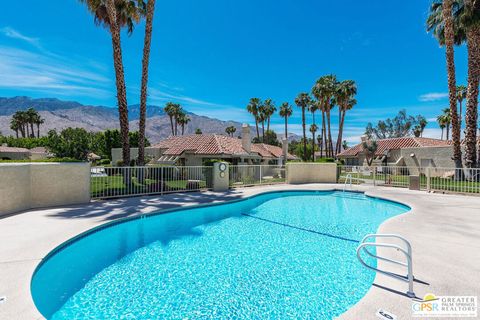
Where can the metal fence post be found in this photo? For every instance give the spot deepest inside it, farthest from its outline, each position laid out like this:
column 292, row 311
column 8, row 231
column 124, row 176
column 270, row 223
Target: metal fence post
column 428, row 179
column 374, row 176
column 260, row 174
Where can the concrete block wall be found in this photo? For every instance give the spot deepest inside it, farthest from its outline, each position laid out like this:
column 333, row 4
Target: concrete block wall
column 25, row 186
column 298, row 173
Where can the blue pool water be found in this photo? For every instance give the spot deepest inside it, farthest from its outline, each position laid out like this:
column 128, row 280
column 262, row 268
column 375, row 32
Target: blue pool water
column 276, row 255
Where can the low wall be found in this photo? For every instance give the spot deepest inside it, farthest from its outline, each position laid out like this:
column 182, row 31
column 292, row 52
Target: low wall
column 298, row 173
column 32, row 185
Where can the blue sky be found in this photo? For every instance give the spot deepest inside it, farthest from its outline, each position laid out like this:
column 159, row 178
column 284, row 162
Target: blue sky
column 213, row 55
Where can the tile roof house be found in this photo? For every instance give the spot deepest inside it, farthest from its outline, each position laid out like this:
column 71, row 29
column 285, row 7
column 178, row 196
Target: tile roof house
column 191, row 150
column 12, row 153
column 406, row 151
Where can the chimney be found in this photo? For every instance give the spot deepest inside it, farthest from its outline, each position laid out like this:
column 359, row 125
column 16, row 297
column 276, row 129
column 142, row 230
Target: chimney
column 246, row 140
column 285, row 149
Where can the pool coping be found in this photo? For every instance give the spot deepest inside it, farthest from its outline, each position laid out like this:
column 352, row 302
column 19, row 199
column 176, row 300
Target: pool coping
column 26, row 307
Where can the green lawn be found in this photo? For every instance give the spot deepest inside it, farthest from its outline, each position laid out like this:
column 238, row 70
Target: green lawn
column 114, row 185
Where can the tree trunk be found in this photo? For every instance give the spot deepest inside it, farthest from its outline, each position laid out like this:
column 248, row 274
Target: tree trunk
column 32, row 131
column 119, row 81
column 337, row 145
column 286, row 129
column 304, row 135
column 171, row 124
column 263, row 131
column 256, row 126
column 471, row 116
column 452, row 85
column 442, row 134
column 144, row 86
column 16, row 133
column 340, row 132
column 268, row 124
column 330, row 143
column 27, row 130
column 38, row 130
column 313, row 147
column 324, row 134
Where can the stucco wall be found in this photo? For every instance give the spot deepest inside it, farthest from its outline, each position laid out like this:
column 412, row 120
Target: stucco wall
column 33, row 185
column 311, row 173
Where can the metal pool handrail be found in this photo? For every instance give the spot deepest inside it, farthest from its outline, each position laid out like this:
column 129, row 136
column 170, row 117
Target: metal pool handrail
column 406, row 251
column 347, row 178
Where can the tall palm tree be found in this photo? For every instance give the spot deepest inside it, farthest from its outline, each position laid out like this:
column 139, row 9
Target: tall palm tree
column 31, row 115
column 38, row 120
column 286, row 112
column 302, row 101
column 461, row 95
column 261, row 117
column 346, row 90
column 452, row 85
column 269, row 110
column 313, row 129
column 144, row 85
column 253, row 108
column 171, row 109
column 178, row 114
column 116, row 14
column 324, row 90
column 446, row 119
column 471, row 20
column 183, row 120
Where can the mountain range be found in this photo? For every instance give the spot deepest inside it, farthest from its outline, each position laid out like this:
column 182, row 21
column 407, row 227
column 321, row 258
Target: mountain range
column 59, row 114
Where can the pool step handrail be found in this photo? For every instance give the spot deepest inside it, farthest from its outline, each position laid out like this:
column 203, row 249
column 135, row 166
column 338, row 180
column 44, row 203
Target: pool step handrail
column 406, row 250
column 347, row 178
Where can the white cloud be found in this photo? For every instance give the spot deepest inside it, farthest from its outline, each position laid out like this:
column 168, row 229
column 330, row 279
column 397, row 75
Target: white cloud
column 14, row 34
column 26, row 70
column 433, row 96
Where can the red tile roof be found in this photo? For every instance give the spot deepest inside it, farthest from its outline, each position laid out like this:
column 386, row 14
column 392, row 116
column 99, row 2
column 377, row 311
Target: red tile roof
column 215, row 144
column 396, row 144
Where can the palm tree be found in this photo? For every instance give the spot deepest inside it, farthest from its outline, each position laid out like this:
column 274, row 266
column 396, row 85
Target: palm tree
column 302, row 101
column 346, row 90
column 461, row 95
column 31, row 114
column 286, row 112
column 230, row 130
column 471, row 20
column 171, row 109
column 253, row 108
column 178, row 113
column 313, row 129
column 144, row 85
column 421, row 124
column 268, row 109
column 116, row 14
column 324, row 90
column 38, row 120
column 15, row 125
column 441, row 123
column 445, row 120
column 198, row 131
column 183, row 120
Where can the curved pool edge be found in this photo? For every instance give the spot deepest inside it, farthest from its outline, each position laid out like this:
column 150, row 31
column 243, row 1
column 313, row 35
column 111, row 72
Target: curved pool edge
column 118, row 221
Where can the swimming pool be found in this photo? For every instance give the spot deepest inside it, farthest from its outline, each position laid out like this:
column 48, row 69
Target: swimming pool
column 275, row 255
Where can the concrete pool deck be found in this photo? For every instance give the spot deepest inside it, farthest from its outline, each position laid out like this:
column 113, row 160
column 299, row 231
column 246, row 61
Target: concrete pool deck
column 444, row 231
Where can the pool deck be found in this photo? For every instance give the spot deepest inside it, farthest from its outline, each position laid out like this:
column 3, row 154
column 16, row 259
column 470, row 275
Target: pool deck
column 444, row 231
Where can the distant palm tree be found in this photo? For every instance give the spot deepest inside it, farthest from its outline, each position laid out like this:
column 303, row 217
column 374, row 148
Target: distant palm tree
column 445, row 120
column 183, row 120
column 461, row 95
column 269, row 110
column 178, row 113
column 15, row 125
column 144, row 85
column 324, row 90
column 346, row 91
column 286, row 112
column 38, row 120
column 313, row 129
column 198, row 131
column 171, row 110
column 302, row 101
column 230, row 130
column 253, row 108
column 115, row 14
